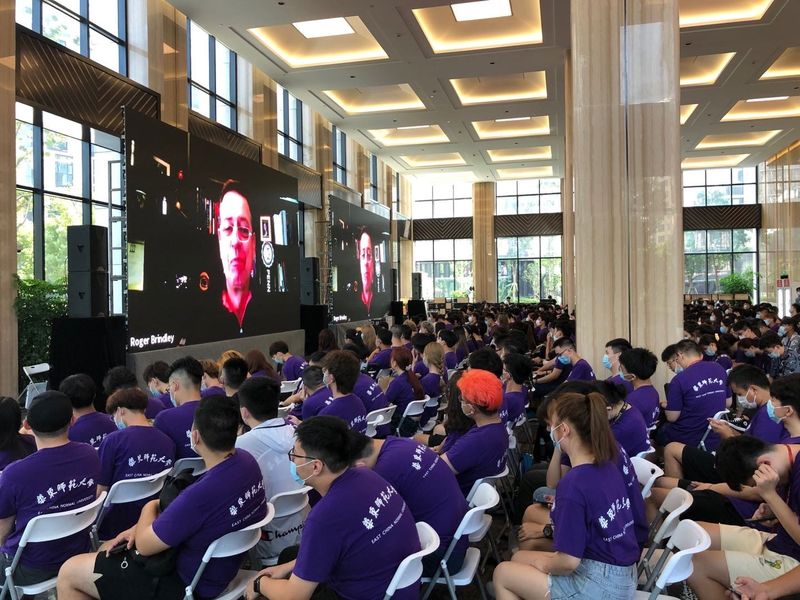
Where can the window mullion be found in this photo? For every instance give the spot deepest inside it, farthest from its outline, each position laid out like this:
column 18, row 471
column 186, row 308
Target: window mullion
column 212, row 77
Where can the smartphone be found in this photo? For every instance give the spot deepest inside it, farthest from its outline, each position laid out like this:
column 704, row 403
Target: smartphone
column 119, row 548
column 760, row 520
column 734, row 593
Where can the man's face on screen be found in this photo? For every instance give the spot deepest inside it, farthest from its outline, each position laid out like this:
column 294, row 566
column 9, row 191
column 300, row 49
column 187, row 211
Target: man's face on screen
column 236, row 240
column 367, row 260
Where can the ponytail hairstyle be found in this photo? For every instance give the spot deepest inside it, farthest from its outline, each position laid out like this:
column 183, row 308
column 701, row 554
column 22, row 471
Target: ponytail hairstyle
column 588, row 417
column 330, row 440
column 434, row 356
column 403, row 358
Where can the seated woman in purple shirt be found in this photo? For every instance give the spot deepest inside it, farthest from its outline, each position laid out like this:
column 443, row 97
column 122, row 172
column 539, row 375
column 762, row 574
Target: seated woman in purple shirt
column 259, row 366
column 455, row 423
column 340, row 374
column 593, row 530
column 355, row 536
column 418, row 343
column 433, row 382
column 210, row 384
column 627, row 423
column 403, row 388
column 462, row 349
column 517, row 370
column 637, row 366
column 13, row 444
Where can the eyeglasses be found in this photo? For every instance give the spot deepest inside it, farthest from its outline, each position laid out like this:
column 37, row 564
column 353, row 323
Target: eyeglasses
column 292, row 455
column 243, row 233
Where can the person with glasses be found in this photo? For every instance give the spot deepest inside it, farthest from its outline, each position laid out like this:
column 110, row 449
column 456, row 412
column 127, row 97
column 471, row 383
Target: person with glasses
column 567, row 354
column 366, row 261
column 237, row 249
column 355, row 536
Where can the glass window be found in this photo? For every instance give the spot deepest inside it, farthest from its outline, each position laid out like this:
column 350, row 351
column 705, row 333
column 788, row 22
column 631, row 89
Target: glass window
column 719, row 240
column 710, row 255
column 694, row 241
column 212, row 77
column 443, row 200
column 720, row 187
column 25, row 234
column 522, row 275
column 290, row 125
column 59, row 213
column 528, row 196
column 339, row 156
column 446, row 267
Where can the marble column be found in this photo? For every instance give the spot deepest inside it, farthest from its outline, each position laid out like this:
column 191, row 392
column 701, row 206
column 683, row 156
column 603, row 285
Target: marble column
column 484, row 261
column 8, row 203
column 406, row 246
column 567, row 204
column 628, row 215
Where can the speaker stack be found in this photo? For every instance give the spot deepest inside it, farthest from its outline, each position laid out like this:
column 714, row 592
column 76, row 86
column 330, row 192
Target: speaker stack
column 87, row 271
column 416, row 286
column 309, row 281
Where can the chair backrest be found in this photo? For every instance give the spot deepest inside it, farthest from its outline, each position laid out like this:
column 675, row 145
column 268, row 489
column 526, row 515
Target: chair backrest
column 130, row 490
column 55, row 526
column 379, row 417
column 646, row 473
column 382, row 373
column 490, row 479
column 290, row 385
column 677, row 502
column 485, row 497
column 410, row 570
column 644, row 453
column 289, row 503
column 433, row 402
column 38, row 369
column 284, row 410
column 195, row 463
column 415, row 407
column 689, row 539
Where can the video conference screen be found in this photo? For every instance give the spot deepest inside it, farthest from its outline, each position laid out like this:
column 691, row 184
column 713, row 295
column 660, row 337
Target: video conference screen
column 213, row 250
column 360, row 269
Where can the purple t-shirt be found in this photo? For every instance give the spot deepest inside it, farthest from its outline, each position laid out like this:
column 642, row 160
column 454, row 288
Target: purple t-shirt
column 48, row 481
column 480, row 452
column 293, row 368
column 350, row 409
column 420, row 369
column 592, row 516
column 228, row 497
column 741, row 357
column 783, row 543
column 725, row 361
column 581, row 371
column 620, row 380
column 513, row 405
column 382, row 359
column 431, row 385
column 451, row 439
column 645, row 399
column 215, row 390
column 177, row 424
column 130, row 453
column 154, row 406
column 315, row 403
column 374, row 532
column 630, row 431
column 450, row 360
column 399, row 393
column 461, row 353
column 427, row 485
column 370, row 393
column 27, row 445
column 764, row 428
column 698, row 392
column 165, row 400
column 91, row 429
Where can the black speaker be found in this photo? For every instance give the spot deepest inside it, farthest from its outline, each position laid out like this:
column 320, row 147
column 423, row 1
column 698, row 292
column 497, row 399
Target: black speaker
column 416, row 308
column 314, row 319
column 309, row 281
column 395, row 284
column 416, row 286
column 87, row 294
column 396, row 310
column 87, row 248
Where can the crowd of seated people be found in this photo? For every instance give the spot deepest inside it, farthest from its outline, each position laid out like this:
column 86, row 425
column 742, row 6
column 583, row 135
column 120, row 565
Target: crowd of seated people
column 725, row 428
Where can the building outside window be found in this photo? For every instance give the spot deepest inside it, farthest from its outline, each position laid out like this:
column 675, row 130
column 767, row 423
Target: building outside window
column 290, row 125
column 720, row 187
column 339, row 156
column 212, row 77
column 528, row 196
column 446, row 267
column 373, row 177
column 710, row 255
column 529, row 268
column 441, row 201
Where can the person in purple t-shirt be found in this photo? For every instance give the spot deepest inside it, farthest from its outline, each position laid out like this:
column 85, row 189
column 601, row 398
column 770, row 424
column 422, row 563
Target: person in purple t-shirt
column 382, row 355
column 481, row 451
column 567, row 354
column 433, row 383
column 317, row 394
column 13, row 444
column 355, row 536
column 449, row 341
column 404, row 388
column 698, row 391
column 340, row 374
column 613, row 351
column 637, row 366
column 291, row 366
column 120, row 377
column 90, row 427
column 210, row 385
column 229, row 496
column 137, row 450
column 156, row 379
column 232, row 375
column 60, row 476
column 419, row 341
column 593, row 528
column 517, row 370
column 184, row 388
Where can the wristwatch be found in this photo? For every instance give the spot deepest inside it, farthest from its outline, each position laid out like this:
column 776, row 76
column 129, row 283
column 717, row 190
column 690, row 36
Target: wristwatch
column 257, row 584
column 547, row 532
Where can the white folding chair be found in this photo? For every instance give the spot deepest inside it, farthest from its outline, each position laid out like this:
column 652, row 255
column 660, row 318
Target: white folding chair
column 288, row 387
column 687, row 540
column 34, row 388
column 677, row 502
column 382, row 373
column 717, row 416
column 490, row 479
column 410, row 570
column 283, row 411
column 379, row 417
column 289, row 503
column 646, row 473
column 645, row 453
column 232, row 544
column 485, row 497
column 195, row 463
column 128, row 490
column 413, row 409
column 433, row 402
column 47, row 528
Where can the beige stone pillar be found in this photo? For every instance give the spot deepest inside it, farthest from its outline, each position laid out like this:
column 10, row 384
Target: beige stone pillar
column 628, row 216
column 406, row 246
column 484, row 261
column 567, row 206
column 8, row 203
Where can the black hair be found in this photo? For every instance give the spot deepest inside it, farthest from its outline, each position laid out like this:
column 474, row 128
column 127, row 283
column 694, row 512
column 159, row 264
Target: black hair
column 786, row 389
column 80, row 389
column 330, row 440
column 190, row 368
column 312, row 377
column 486, row 359
column 448, row 337
column 420, row 340
column 688, row 347
column 708, row 338
column 234, row 372
column 618, row 345
column 345, row 369
column 565, row 343
column 318, row 356
column 131, row 398
column 515, row 341
column 639, row 362
column 260, row 396
column 518, row 366
column 279, row 346
column 455, row 419
column 10, row 423
column 118, row 378
column 158, row 370
column 769, row 340
column 614, row 393
column 385, row 336
column 737, row 459
column 743, row 376
column 217, row 421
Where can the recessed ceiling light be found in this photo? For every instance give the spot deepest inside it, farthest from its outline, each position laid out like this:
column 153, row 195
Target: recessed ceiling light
column 751, row 138
column 512, row 119
column 320, row 28
column 787, row 65
column 774, row 98
column 413, row 127
column 715, row 12
column 703, row 70
column 686, row 112
column 482, row 9
column 492, row 130
column 713, row 162
column 401, row 136
column 501, row 88
column 525, row 173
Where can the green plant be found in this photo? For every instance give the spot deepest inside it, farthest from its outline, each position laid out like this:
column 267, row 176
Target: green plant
column 38, row 303
column 737, row 283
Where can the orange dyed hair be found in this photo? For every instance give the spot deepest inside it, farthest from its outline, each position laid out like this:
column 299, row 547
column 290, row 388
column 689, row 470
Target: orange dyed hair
column 481, row 388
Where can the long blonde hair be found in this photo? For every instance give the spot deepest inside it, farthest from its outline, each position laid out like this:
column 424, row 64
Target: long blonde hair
column 368, row 337
column 228, row 354
column 434, row 356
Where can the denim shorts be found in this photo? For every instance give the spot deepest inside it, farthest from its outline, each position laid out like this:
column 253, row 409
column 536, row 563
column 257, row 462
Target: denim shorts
column 594, row 580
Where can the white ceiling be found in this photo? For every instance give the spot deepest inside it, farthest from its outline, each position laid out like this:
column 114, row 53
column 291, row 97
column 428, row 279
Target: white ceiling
column 411, row 61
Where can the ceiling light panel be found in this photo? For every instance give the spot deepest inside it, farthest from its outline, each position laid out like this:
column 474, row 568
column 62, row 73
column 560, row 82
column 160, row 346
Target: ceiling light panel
column 787, row 65
column 409, row 136
column 501, row 88
column 487, row 25
column 687, row 110
column 499, row 129
column 699, row 13
column 376, row 99
column 309, row 44
column 519, row 154
column 713, row 162
column 434, row 160
column 525, row 173
column 784, row 108
column 703, row 70
column 735, row 140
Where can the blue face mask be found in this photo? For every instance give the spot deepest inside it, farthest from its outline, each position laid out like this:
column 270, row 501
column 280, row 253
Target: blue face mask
column 678, row 369
column 278, row 361
column 781, row 331
column 710, row 352
column 119, row 424
column 606, row 362
column 749, row 353
column 556, row 443
column 564, row 360
column 723, row 329
column 296, row 475
column 773, row 355
column 771, row 413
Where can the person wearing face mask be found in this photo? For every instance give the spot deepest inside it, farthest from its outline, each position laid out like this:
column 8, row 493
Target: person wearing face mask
column 210, row 385
column 316, row 394
column 481, row 451
column 517, row 370
column 120, row 453
column 785, row 361
column 340, row 373
column 613, row 350
column 788, row 333
column 185, row 375
column 404, row 388
column 90, row 426
column 637, row 366
column 715, row 349
column 567, row 354
column 746, row 352
column 156, row 379
column 355, row 536
column 291, row 366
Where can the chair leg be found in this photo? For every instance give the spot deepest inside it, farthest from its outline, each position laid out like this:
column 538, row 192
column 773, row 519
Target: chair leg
column 450, row 587
column 657, row 568
column 432, row 582
column 481, row 587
